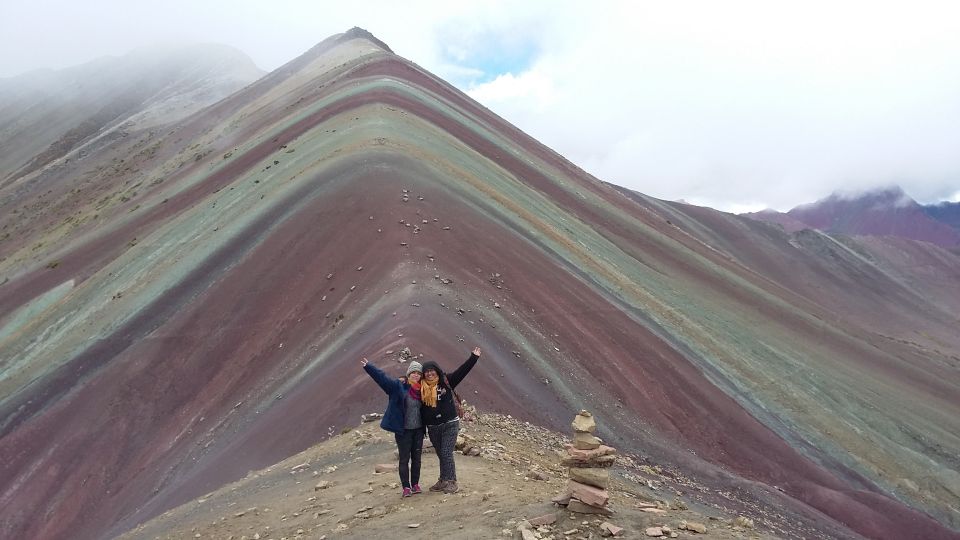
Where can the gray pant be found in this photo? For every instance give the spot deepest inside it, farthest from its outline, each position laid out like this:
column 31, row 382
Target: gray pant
column 444, row 440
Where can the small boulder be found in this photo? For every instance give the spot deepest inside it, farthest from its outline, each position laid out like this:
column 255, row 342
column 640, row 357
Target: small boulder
column 546, row 519
column 584, row 423
column 537, row 475
column 693, row 526
column 583, row 508
column 384, row 467
column 609, row 529
column 588, row 494
column 743, row 522
column 592, row 477
column 654, row 531
column 585, row 441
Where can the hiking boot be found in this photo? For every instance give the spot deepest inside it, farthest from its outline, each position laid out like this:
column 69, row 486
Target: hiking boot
column 406, row 493
column 439, row 485
column 416, row 489
column 451, row 487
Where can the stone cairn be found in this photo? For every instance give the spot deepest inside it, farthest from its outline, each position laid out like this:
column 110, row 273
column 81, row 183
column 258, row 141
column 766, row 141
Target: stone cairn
column 589, row 463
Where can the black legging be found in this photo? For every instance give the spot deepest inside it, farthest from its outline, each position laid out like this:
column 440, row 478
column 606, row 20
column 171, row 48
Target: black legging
column 410, row 444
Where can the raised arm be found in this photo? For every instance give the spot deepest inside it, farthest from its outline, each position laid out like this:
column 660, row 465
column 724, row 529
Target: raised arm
column 461, row 372
column 387, row 383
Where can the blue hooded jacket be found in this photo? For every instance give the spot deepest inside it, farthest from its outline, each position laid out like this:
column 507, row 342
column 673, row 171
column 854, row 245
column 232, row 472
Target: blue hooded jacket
column 393, row 419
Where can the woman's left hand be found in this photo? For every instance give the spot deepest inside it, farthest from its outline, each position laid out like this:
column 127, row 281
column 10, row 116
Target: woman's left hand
column 476, row 351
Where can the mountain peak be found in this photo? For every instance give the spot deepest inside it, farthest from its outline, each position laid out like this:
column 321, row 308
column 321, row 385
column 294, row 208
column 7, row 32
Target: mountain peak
column 883, row 196
column 359, row 33
column 886, row 211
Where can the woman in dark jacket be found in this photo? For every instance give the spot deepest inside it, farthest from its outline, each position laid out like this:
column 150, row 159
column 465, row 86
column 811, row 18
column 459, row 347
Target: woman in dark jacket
column 402, row 417
column 439, row 412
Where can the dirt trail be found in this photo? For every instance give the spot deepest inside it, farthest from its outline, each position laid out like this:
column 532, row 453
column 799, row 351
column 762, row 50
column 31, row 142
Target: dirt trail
column 331, row 491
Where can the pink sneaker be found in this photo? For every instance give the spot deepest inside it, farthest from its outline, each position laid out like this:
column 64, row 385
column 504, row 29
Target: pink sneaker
column 416, row 489
column 406, row 492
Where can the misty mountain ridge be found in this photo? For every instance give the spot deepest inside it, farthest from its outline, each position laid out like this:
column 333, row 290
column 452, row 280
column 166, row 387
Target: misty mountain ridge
column 187, row 302
column 887, row 211
column 47, row 113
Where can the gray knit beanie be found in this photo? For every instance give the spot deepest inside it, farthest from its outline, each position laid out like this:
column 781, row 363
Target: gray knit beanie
column 414, row 366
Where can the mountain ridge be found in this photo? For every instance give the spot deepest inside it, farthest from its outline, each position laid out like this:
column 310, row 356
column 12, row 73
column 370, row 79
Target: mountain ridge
column 883, row 211
column 144, row 87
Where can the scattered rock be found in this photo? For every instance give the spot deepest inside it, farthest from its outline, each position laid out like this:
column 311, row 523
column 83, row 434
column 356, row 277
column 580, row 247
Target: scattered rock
column 370, row 417
column 537, row 475
column 413, row 525
column 384, row 467
column 654, row 531
column 609, row 529
column 546, row 519
column 323, row 484
column 693, row 526
column 743, row 522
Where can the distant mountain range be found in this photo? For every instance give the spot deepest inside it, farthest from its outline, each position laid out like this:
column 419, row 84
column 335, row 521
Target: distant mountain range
column 883, row 212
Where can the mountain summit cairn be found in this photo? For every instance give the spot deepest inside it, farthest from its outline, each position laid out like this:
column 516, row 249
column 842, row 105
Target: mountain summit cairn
column 589, row 462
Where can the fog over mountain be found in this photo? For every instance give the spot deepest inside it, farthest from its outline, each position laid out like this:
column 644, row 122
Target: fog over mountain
column 883, row 212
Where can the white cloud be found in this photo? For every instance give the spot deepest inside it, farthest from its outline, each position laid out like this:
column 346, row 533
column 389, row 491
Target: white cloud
column 732, row 104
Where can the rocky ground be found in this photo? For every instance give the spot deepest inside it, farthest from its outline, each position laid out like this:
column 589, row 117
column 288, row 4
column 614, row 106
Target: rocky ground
column 332, row 490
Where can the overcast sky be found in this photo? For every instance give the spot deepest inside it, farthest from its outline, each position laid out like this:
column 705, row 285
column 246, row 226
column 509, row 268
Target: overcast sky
column 735, row 105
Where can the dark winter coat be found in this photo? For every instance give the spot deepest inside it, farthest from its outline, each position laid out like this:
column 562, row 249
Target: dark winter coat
column 396, row 390
column 445, row 410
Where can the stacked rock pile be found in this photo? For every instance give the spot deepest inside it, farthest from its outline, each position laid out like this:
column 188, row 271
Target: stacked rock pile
column 589, row 463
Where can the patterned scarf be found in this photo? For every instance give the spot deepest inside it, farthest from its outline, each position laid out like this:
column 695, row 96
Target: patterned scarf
column 428, row 391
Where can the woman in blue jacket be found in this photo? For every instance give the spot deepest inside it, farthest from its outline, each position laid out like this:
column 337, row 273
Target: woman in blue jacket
column 402, row 417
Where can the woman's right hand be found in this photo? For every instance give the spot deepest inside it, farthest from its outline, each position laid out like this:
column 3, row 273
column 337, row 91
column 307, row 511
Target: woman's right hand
column 363, row 363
